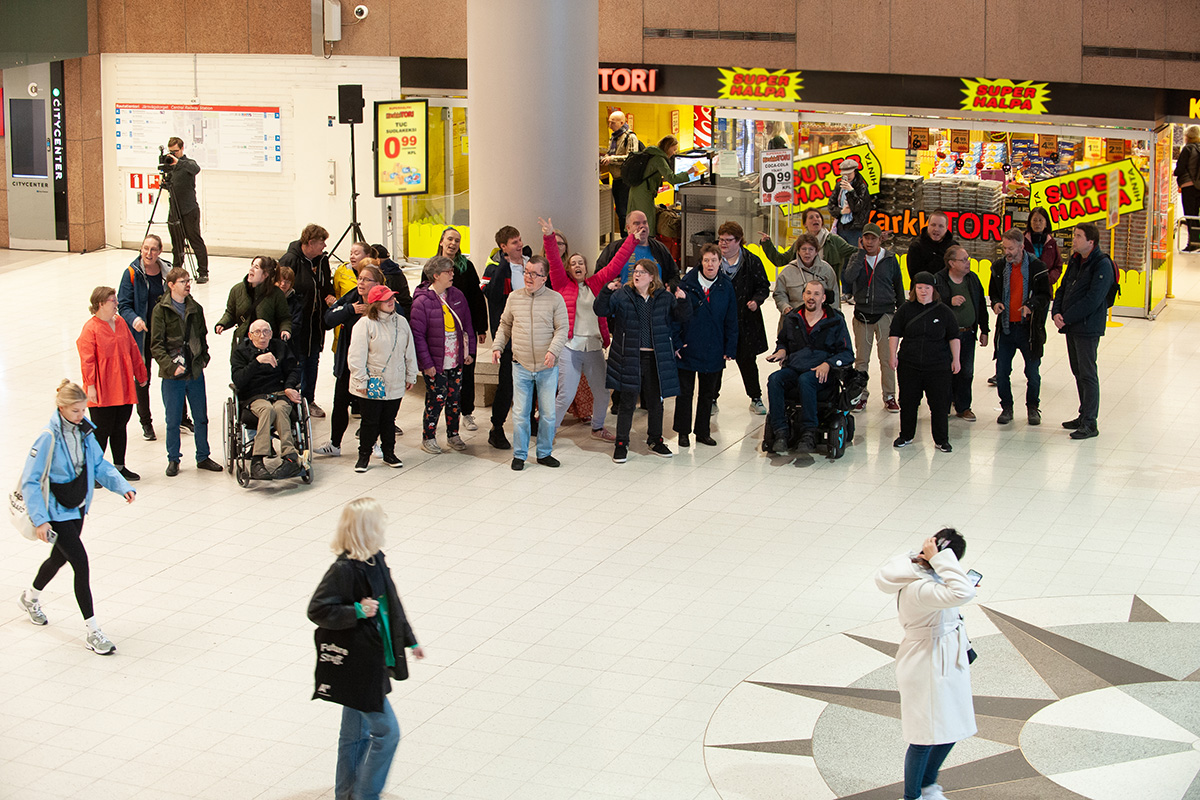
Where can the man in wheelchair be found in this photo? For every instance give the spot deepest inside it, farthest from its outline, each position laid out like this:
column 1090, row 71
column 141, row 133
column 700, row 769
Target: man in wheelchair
column 266, row 375
column 813, row 339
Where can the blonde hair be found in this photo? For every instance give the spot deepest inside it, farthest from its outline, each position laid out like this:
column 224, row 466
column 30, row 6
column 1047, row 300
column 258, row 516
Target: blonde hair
column 360, row 530
column 1192, row 133
column 68, row 394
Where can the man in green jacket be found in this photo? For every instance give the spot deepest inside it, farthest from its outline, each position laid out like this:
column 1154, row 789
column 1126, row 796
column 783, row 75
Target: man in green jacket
column 179, row 344
column 656, row 173
column 834, row 249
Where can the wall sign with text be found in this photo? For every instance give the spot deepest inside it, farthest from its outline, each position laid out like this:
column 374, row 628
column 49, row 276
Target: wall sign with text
column 1083, row 196
column 1002, row 94
column 759, row 84
column 401, row 147
column 628, row 80
column 817, row 177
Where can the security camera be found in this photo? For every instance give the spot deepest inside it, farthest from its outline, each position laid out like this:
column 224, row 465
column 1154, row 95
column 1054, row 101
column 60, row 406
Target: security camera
column 361, row 11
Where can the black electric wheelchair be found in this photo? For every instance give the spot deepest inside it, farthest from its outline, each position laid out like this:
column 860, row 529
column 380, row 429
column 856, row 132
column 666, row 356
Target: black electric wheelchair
column 835, row 423
column 241, row 426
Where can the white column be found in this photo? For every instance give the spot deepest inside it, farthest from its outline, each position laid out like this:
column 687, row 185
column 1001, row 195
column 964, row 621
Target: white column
column 531, row 121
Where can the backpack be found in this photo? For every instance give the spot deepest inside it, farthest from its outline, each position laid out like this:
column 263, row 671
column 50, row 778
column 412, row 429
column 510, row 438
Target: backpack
column 1114, row 291
column 633, row 171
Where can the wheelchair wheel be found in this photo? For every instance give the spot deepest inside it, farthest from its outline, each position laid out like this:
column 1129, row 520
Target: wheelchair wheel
column 230, row 426
column 243, row 477
column 849, row 424
column 837, row 437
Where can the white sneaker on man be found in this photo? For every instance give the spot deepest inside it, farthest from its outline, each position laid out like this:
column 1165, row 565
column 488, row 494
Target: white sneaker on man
column 328, row 449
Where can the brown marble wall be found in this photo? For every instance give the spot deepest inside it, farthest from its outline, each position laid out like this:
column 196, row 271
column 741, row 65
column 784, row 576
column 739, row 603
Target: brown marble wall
column 85, row 153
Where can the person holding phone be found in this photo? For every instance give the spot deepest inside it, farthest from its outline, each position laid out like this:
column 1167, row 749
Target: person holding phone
column 76, row 465
column 850, row 204
column 933, row 670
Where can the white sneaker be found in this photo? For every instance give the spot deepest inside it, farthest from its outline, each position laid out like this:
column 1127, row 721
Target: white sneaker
column 377, row 451
column 98, row 643
column 34, row 609
column 932, row 792
column 430, row 446
column 758, row 408
column 468, row 422
column 456, row 442
column 328, row 449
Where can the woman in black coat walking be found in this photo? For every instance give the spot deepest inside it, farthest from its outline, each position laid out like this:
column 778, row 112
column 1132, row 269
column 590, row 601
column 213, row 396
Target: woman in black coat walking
column 927, row 361
column 361, row 635
column 643, row 319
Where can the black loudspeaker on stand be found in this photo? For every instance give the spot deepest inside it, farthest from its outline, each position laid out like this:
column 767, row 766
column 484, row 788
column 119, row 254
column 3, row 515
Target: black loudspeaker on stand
column 350, row 112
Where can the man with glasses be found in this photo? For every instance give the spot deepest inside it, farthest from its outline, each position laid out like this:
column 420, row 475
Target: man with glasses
column 266, row 375
column 534, row 324
column 961, row 289
column 184, row 211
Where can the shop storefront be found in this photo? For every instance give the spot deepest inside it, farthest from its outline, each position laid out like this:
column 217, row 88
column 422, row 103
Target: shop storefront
column 984, row 151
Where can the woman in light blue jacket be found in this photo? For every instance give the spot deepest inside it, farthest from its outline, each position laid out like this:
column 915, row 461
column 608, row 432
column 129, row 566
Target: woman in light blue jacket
column 76, row 464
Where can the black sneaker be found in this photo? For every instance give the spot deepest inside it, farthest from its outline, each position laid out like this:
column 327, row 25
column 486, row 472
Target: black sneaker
column 708, row 440
column 209, row 465
column 808, row 440
column 202, row 277
column 620, row 454
column 259, row 471
column 392, row 461
column 1085, row 432
column 901, row 442
column 361, row 464
column 684, row 441
column 549, row 461
column 660, row 449
column 777, row 442
column 172, row 469
column 148, row 433
column 992, row 381
column 944, row 447
column 498, row 440
column 517, row 465
column 1006, row 416
column 129, row 474
column 290, row 468
column 1073, row 424
column 1035, row 416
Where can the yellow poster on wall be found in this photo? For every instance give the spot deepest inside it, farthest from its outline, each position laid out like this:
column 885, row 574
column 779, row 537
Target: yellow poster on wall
column 1083, row 196
column 401, row 147
column 816, row 178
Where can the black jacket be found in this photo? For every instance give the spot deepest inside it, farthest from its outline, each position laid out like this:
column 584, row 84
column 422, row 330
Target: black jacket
column 332, row 609
column 926, row 255
column 827, row 343
column 751, row 283
column 314, row 282
column 1187, row 167
column 667, row 312
column 467, row 282
column 711, row 335
column 395, row 280
column 252, row 378
column 342, row 313
column 941, row 282
column 669, row 272
column 878, row 291
column 183, row 185
column 925, row 333
column 1082, row 297
column 859, row 200
column 1038, row 301
column 498, row 274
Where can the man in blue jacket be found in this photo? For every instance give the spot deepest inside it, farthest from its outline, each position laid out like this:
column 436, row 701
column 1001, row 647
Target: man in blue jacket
column 1079, row 310
column 813, row 339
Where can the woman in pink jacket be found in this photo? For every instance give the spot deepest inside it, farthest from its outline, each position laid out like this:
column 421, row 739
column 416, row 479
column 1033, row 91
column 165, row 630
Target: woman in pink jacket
column 587, row 334
column 113, row 368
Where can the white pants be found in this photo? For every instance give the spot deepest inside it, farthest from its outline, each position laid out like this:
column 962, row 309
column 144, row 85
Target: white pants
column 572, row 364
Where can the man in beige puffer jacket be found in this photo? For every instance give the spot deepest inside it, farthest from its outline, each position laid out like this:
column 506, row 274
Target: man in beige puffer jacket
column 535, row 321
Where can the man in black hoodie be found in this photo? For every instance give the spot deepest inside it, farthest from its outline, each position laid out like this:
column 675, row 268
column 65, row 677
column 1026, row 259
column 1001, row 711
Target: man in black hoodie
column 314, row 289
column 927, row 253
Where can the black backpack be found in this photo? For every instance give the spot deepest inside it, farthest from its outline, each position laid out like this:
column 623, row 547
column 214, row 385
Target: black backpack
column 633, row 171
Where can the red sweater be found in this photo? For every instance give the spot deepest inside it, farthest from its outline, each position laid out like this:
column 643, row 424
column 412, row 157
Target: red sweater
column 110, row 361
column 569, row 289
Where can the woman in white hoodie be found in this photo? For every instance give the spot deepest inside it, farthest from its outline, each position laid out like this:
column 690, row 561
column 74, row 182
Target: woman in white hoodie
column 932, row 666
column 382, row 360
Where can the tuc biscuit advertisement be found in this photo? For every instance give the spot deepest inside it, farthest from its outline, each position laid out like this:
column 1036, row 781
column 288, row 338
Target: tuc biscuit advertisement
column 401, row 151
column 817, row 177
column 1082, row 196
column 1002, row 94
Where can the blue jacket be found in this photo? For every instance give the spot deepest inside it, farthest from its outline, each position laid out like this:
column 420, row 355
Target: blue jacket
column 624, row 371
column 62, row 471
column 711, row 334
column 133, row 296
column 828, row 342
column 1082, row 297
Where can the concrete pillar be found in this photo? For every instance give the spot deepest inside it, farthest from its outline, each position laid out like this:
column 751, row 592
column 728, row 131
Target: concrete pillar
column 531, row 121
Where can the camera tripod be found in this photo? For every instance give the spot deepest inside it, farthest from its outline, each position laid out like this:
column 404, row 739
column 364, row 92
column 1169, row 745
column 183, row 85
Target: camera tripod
column 186, row 258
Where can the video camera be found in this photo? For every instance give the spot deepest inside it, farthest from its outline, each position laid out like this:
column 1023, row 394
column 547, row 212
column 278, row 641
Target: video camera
column 166, row 163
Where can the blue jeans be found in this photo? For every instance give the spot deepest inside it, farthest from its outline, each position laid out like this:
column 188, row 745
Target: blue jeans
column 525, row 383
column 174, row 392
column 308, row 374
column 778, row 386
column 366, row 744
column 1007, row 346
column 921, row 765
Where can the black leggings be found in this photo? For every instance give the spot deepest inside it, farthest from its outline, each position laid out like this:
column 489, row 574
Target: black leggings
column 339, row 416
column 69, row 549
column 110, row 424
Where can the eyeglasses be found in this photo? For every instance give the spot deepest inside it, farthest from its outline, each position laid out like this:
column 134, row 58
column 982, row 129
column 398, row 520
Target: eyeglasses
column 531, row 274
column 726, row 239
column 640, row 272
column 260, row 333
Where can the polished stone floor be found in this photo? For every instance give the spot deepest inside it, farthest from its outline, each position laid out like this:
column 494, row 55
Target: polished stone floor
column 595, row 632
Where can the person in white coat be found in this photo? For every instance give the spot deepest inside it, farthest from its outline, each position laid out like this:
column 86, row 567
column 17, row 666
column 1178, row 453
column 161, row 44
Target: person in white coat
column 932, row 666
column 382, row 360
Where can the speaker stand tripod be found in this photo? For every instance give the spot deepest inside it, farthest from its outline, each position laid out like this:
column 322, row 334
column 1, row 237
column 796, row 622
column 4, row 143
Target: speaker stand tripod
column 353, row 227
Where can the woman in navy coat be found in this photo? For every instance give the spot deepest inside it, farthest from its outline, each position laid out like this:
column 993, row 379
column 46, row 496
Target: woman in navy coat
column 642, row 318
column 708, row 340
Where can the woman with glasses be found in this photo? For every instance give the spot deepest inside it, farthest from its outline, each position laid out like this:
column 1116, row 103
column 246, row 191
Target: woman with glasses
column 466, row 280
column 643, row 316
column 345, row 312
column 961, row 289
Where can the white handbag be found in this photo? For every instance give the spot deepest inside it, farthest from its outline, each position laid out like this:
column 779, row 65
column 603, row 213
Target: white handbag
column 18, row 513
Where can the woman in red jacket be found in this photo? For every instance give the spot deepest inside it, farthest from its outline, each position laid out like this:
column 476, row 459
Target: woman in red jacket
column 112, row 368
column 587, row 334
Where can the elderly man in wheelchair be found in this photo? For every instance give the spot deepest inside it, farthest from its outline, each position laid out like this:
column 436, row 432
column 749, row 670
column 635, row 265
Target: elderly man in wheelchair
column 814, row 347
column 266, row 377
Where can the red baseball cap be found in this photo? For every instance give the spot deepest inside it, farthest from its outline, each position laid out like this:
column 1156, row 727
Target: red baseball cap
column 380, row 293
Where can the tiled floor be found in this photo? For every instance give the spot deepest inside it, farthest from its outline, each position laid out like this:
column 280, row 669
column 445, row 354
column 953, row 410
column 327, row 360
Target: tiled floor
column 582, row 624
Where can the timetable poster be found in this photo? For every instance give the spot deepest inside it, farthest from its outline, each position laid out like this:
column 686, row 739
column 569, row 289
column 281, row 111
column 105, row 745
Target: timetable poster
column 401, row 147
column 238, row 138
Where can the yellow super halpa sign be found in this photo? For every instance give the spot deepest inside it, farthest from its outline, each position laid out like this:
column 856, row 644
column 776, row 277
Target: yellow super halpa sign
column 401, row 147
column 1083, row 196
column 1026, row 97
column 760, row 84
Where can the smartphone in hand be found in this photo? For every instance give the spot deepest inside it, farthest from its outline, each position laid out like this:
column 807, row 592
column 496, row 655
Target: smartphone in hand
column 975, row 577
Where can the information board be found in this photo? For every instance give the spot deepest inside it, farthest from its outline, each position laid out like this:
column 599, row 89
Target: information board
column 401, row 147
column 775, row 177
column 235, row 138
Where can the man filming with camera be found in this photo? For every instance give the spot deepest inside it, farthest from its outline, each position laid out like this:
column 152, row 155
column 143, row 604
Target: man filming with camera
column 179, row 175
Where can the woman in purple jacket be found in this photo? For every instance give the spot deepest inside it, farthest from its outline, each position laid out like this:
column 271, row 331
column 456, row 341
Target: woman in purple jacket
column 444, row 336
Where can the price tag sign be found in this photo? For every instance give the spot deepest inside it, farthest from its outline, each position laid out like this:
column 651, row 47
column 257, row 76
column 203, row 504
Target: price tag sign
column 960, row 141
column 401, row 147
column 1048, row 146
column 775, row 177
